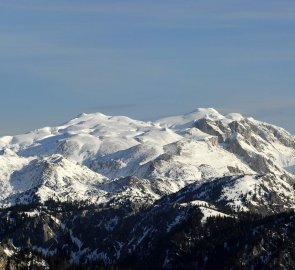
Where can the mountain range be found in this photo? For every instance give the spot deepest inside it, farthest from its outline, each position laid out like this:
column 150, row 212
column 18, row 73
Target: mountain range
column 110, row 191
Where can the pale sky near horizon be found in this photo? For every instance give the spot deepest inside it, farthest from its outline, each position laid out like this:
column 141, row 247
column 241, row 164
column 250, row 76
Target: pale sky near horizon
column 145, row 59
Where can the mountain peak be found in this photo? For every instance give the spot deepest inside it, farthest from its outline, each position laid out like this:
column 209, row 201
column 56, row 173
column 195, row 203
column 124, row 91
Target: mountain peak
column 208, row 110
column 187, row 120
column 208, row 113
column 235, row 116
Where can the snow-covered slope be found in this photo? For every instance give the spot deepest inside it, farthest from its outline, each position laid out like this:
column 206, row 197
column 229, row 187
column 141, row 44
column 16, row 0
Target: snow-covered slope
column 100, row 158
column 262, row 194
column 52, row 177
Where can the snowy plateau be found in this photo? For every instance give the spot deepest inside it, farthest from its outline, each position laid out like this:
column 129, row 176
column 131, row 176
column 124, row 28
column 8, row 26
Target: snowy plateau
column 110, row 191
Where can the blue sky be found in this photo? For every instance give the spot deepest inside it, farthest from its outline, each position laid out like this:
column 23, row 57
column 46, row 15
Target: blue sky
column 145, row 59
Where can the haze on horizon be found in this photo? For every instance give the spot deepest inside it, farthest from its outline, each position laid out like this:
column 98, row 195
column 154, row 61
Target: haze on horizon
column 145, row 59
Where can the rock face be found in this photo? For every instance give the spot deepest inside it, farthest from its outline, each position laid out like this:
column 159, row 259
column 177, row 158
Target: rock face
column 134, row 184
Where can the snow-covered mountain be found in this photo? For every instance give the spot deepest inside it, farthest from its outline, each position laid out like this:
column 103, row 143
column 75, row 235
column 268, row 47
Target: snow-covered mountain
column 184, row 191
column 86, row 158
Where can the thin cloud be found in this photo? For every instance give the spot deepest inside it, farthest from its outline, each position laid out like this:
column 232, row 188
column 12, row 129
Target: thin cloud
column 112, row 107
column 227, row 9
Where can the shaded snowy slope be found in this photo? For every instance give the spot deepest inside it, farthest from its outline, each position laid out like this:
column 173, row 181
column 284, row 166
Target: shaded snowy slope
column 51, row 177
column 262, row 194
